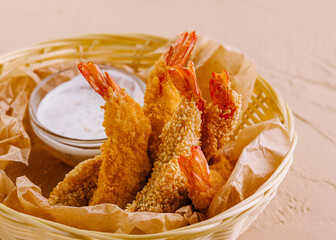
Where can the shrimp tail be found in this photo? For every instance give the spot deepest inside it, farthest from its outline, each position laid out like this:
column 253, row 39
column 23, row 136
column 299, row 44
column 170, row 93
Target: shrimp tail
column 221, row 92
column 221, row 116
column 185, row 81
column 179, row 53
column 196, row 169
column 99, row 82
column 203, row 181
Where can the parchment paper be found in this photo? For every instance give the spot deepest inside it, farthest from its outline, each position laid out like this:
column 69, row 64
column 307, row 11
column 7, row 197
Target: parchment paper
column 15, row 89
column 262, row 148
column 259, row 149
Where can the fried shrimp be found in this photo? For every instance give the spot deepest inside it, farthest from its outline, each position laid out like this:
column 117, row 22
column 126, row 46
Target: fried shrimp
column 125, row 164
column 161, row 96
column 221, row 116
column 78, row 186
column 166, row 190
column 203, row 181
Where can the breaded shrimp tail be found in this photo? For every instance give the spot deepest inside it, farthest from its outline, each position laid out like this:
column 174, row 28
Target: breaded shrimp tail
column 202, row 181
column 161, row 96
column 125, row 163
column 166, row 189
column 221, row 116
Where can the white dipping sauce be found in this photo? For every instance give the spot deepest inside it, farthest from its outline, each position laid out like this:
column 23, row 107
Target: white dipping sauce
column 73, row 110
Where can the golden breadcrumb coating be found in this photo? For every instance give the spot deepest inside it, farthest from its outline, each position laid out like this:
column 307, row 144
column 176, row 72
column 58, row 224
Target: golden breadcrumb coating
column 161, row 100
column 125, row 164
column 221, row 116
column 166, row 189
column 78, row 185
column 222, row 165
column 218, row 126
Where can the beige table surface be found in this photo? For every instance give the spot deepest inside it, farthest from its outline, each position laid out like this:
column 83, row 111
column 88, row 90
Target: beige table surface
column 293, row 44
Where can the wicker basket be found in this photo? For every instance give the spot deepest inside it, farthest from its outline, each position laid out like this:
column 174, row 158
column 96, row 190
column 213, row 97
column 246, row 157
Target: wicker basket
column 136, row 52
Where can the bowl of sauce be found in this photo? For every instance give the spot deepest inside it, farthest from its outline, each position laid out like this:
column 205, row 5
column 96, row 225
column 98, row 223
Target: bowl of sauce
column 65, row 112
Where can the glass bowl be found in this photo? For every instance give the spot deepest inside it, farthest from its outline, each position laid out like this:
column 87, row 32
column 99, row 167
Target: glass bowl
column 71, row 149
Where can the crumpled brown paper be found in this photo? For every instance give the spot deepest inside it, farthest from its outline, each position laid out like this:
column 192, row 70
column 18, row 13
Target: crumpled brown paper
column 45, row 170
column 6, row 186
column 259, row 148
column 15, row 89
column 27, row 198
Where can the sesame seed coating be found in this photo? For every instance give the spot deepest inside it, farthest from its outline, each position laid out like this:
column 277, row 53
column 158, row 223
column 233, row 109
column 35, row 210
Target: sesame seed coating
column 166, row 189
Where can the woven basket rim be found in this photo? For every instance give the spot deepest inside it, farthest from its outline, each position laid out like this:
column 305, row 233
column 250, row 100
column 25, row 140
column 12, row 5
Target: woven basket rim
column 239, row 208
column 63, row 41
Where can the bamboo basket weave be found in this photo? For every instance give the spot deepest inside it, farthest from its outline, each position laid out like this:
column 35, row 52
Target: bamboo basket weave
column 136, row 51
